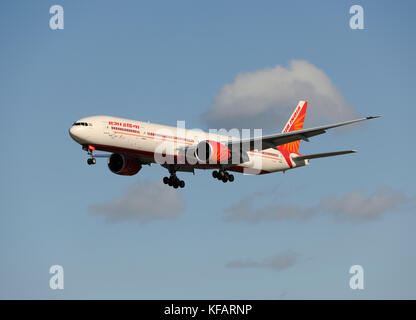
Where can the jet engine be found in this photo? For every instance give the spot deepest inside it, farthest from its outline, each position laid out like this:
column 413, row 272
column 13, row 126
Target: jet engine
column 123, row 165
column 212, row 152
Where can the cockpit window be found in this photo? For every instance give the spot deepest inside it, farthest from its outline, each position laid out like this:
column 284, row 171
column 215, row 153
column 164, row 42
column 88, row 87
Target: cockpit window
column 81, row 124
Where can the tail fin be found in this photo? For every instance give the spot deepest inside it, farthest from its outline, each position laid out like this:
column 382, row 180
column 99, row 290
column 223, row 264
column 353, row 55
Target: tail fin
column 295, row 123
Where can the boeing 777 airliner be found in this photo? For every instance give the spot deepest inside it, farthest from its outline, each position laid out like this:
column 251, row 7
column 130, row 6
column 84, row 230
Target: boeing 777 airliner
column 136, row 143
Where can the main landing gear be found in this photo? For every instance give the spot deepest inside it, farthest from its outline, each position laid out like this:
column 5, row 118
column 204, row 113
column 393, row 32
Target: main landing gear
column 173, row 180
column 223, row 175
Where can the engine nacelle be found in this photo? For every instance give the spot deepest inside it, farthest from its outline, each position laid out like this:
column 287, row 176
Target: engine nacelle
column 212, row 152
column 123, row 165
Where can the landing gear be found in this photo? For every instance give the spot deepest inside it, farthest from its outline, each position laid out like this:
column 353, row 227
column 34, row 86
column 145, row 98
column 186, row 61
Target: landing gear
column 173, row 180
column 223, row 175
column 90, row 151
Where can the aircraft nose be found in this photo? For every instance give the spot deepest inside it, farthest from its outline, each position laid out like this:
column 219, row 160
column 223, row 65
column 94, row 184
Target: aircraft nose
column 72, row 133
column 80, row 132
column 77, row 134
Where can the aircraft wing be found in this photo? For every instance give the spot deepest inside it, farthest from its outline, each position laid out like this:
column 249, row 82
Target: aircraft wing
column 242, row 146
column 274, row 140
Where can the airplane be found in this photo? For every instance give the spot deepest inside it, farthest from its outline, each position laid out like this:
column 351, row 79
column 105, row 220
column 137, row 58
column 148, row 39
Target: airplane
column 136, row 143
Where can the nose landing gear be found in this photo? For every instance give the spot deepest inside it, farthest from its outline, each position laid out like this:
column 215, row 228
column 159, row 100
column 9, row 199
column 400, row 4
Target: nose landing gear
column 91, row 160
column 223, row 175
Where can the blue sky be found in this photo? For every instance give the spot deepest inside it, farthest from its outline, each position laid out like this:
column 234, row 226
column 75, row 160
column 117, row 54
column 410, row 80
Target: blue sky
column 165, row 61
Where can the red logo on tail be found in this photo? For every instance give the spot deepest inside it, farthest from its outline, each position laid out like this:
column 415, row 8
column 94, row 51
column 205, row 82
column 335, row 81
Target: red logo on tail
column 295, row 123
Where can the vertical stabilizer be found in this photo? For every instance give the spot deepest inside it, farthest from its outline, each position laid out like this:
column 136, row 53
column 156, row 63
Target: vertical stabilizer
column 295, row 123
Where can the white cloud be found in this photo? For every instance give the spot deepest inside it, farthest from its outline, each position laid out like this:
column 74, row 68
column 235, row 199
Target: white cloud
column 245, row 210
column 354, row 206
column 278, row 262
column 266, row 98
column 143, row 202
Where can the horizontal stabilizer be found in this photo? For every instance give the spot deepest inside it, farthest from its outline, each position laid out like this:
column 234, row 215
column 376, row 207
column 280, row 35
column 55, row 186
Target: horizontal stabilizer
column 323, row 155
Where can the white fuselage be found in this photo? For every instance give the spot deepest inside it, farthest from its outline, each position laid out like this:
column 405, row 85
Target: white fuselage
column 146, row 141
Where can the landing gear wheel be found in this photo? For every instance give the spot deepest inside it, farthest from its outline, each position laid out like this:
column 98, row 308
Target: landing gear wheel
column 224, row 179
column 91, row 161
column 231, row 178
column 173, row 180
column 215, row 174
